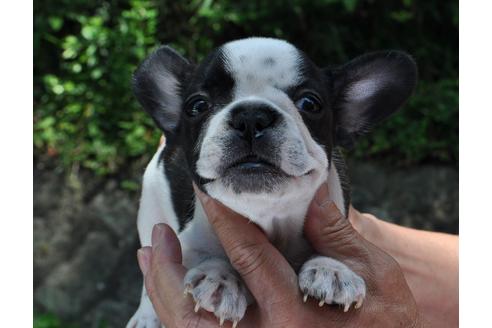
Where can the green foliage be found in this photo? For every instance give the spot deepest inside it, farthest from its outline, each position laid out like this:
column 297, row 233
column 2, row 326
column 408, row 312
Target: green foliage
column 426, row 128
column 49, row 321
column 52, row 321
column 84, row 108
column 86, row 51
column 46, row 321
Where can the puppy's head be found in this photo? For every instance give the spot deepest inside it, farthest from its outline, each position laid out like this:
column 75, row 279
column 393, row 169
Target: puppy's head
column 257, row 117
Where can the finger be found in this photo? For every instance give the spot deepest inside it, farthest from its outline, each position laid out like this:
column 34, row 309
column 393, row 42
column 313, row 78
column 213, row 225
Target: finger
column 328, row 230
column 165, row 245
column 143, row 256
column 265, row 271
column 152, row 291
column 164, row 278
column 322, row 195
column 365, row 224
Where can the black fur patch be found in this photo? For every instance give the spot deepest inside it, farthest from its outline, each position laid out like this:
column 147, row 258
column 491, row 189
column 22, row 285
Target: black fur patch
column 341, row 167
column 210, row 78
column 213, row 79
column 180, row 184
column 320, row 125
column 156, row 82
column 394, row 74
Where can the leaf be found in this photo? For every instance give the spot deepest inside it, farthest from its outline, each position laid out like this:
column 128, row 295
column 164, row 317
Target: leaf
column 56, row 23
column 88, row 32
column 130, row 185
column 350, row 5
column 401, row 16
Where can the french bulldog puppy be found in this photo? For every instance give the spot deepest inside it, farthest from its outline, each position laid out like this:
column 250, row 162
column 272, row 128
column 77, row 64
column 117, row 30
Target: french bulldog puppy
column 258, row 126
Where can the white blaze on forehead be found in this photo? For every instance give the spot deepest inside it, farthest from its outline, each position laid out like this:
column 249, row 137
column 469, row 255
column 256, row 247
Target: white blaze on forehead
column 259, row 63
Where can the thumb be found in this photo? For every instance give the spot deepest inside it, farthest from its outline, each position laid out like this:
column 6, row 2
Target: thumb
column 328, row 230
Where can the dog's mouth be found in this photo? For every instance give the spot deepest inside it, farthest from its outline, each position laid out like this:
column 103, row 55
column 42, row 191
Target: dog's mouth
column 253, row 163
column 253, row 172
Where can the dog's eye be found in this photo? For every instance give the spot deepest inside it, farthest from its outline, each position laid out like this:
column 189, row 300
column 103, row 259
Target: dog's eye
column 197, row 107
column 308, row 103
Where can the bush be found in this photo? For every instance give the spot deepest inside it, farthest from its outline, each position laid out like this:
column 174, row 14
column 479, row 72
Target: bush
column 85, row 52
column 85, row 112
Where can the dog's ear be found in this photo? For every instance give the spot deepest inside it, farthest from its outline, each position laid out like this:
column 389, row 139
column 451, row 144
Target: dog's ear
column 368, row 89
column 158, row 84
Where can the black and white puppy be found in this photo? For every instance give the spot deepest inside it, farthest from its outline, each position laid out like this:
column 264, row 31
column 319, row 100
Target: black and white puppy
column 257, row 126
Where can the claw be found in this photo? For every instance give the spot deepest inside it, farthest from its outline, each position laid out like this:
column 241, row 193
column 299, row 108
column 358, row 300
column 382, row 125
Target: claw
column 234, row 324
column 321, row 303
column 347, row 307
column 187, row 290
column 360, row 300
column 221, row 321
column 197, row 306
column 304, row 299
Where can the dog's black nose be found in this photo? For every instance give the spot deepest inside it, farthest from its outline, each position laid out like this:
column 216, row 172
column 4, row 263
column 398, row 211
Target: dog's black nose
column 251, row 120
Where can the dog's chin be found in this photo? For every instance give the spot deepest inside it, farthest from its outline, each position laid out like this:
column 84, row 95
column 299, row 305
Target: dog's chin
column 254, row 177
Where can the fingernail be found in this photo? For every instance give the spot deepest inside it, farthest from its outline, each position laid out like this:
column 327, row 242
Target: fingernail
column 158, row 234
column 320, row 213
column 165, row 241
column 331, row 213
column 203, row 197
column 331, row 207
column 322, row 195
column 206, row 200
column 143, row 260
column 195, row 188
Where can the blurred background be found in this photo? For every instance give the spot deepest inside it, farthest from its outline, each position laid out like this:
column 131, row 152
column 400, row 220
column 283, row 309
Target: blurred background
column 92, row 141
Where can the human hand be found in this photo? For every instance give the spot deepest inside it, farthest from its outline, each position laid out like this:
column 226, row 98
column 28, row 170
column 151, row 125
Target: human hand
column 421, row 256
column 272, row 281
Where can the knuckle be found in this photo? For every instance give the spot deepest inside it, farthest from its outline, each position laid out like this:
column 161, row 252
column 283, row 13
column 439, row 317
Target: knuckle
column 340, row 231
column 247, row 258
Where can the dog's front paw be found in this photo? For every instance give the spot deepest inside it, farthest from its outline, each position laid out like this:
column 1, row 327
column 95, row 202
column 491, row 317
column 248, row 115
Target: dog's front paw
column 217, row 288
column 331, row 281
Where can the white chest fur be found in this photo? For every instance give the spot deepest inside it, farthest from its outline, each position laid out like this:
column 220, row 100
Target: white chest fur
column 281, row 217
